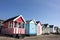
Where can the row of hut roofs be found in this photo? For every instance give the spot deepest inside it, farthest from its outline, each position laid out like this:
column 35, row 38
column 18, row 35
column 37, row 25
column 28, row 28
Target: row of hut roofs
column 29, row 27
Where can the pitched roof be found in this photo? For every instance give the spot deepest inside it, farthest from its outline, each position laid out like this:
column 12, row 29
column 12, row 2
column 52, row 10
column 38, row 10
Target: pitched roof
column 11, row 19
column 51, row 26
column 37, row 22
column 44, row 24
column 28, row 20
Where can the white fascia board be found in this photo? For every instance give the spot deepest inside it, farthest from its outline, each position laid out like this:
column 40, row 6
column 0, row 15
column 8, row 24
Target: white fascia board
column 18, row 17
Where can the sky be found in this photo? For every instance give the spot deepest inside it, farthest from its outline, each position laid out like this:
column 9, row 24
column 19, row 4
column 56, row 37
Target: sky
column 45, row 11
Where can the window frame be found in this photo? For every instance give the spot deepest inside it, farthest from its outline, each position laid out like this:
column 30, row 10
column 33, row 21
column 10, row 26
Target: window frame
column 22, row 25
column 15, row 24
column 10, row 24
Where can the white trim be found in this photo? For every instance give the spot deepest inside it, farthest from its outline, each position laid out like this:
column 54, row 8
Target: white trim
column 18, row 17
column 14, row 30
column 33, row 21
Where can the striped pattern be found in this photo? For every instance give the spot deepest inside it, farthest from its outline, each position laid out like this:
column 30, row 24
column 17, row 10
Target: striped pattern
column 19, row 31
column 13, row 31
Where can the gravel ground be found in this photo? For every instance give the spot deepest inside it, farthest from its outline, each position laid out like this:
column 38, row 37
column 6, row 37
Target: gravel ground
column 41, row 37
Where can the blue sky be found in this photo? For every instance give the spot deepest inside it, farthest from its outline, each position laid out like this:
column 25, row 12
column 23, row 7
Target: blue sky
column 46, row 11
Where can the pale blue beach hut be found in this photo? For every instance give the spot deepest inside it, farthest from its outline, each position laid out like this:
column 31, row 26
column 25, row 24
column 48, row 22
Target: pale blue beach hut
column 31, row 28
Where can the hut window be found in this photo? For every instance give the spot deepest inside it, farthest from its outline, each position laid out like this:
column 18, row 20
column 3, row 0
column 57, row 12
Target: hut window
column 10, row 24
column 21, row 25
column 15, row 24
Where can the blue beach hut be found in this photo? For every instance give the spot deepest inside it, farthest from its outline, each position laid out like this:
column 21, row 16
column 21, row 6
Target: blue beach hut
column 31, row 27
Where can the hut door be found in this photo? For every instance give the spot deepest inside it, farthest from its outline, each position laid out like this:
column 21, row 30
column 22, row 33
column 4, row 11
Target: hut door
column 38, row 30
column 32, row 29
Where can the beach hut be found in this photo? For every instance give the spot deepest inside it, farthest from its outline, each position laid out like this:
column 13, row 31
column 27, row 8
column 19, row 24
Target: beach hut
column 31, row 27
column 56, row 29
column 14, row 26
column 51, row 28
column 39, row 28
column 45, row 29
